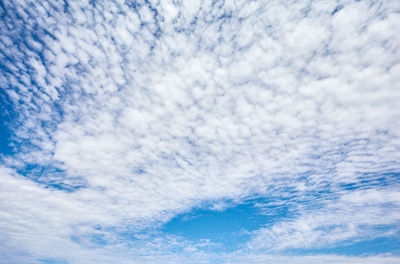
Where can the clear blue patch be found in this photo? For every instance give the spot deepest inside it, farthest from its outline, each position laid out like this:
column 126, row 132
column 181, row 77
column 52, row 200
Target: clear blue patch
column 231, row 228
column 6, row 119
column 52, row 261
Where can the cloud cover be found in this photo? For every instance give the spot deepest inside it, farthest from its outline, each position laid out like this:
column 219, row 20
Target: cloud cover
column 131, row 112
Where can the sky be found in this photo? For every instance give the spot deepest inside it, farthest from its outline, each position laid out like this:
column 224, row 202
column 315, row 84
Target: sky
column 197, row 131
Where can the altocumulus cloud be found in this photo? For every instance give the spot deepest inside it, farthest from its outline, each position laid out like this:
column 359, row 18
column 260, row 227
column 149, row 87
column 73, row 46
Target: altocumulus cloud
column 121, row 115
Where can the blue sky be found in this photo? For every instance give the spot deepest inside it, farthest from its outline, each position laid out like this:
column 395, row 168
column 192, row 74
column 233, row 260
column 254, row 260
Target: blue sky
column 199, row 132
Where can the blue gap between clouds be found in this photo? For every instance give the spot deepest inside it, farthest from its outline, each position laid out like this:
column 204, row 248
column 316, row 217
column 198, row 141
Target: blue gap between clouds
column 51, row 177
column 6, row 121
column 230, row 228
column 52, row 261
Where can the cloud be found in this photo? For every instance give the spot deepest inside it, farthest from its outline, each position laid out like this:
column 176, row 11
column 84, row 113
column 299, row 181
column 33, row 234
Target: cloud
column 149, row 109
column 313, row 259
column 355, row 216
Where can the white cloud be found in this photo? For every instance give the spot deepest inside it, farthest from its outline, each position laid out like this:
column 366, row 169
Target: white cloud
column 313, row 259
column 157, row 112
column 355, row 215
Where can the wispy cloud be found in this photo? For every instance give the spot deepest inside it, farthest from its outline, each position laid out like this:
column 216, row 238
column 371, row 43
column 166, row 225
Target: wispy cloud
column 355, row 216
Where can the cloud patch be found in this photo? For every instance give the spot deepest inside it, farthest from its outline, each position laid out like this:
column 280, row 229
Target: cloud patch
column 148, row 109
